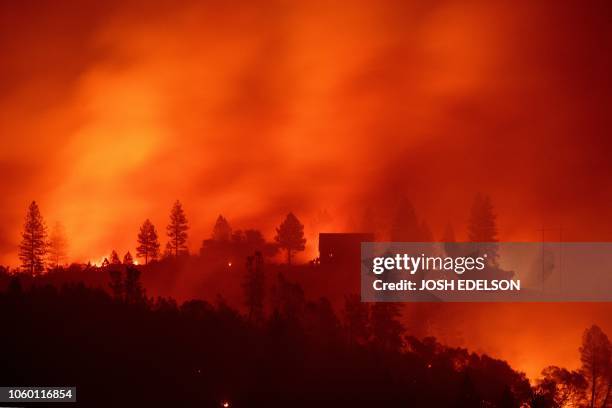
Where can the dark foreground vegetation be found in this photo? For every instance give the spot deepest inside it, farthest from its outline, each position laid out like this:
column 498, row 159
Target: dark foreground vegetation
column 127, row 350
column 131, row 353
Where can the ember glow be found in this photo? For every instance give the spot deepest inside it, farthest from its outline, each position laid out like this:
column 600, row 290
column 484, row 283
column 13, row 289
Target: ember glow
column 110, row 112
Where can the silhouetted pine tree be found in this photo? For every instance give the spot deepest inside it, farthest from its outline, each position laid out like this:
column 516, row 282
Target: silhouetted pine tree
column 426, row 234
column 58, row 246
column 148, row 243
column 405, row 225
column 596, row 358
column 128, row 259
column 114, row 258
column 33, row 247
column 222, row 230
column 482, row 227
column 177, row 231
column 290, row 235
column 482, row 224
column 450, row 243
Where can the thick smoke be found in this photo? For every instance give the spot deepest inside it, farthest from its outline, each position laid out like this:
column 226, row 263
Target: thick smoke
column 110, row 112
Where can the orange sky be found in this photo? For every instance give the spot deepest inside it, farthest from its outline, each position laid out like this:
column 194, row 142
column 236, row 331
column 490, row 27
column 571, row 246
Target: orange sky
column 109, row 111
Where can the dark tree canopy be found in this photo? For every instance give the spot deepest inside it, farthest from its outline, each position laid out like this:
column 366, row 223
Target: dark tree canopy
column 290, row 235
column 482, row 226
column 222, row 230
column 450, row 246
column 133, row 291
column 148, row 242
column 590, row 386
column 288, row 298
column 596, row 358
column 116, row 283
column 177, row 231
column 387, row 329
column 254, row 238
column 58, row 246
column 559, row 387
column 405, row 226
column 254, row 288
column 114, row 258
column 33, row 247
column 426, row 234
column 128, row 259
column 357, row 320
column 158, row 352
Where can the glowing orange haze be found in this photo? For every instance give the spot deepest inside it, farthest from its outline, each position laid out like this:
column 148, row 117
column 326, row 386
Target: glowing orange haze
column 110, row 113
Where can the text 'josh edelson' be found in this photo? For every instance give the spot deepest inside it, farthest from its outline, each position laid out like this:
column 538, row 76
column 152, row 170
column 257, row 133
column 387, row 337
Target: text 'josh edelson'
column 448, row 268
column 486, row 271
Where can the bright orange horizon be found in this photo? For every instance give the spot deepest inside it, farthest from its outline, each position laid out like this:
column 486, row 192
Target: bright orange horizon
column 109, row 112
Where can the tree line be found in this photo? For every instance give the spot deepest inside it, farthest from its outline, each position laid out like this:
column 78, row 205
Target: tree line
column 300, row 354
column 590, row 386
column 312, row 327
column 39, row 250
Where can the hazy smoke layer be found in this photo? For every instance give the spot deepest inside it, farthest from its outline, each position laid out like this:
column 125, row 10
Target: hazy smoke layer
column 110, row 111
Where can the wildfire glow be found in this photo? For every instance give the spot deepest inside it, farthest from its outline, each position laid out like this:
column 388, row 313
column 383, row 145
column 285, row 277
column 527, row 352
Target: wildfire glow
column 320, row 108
column 99, row 262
